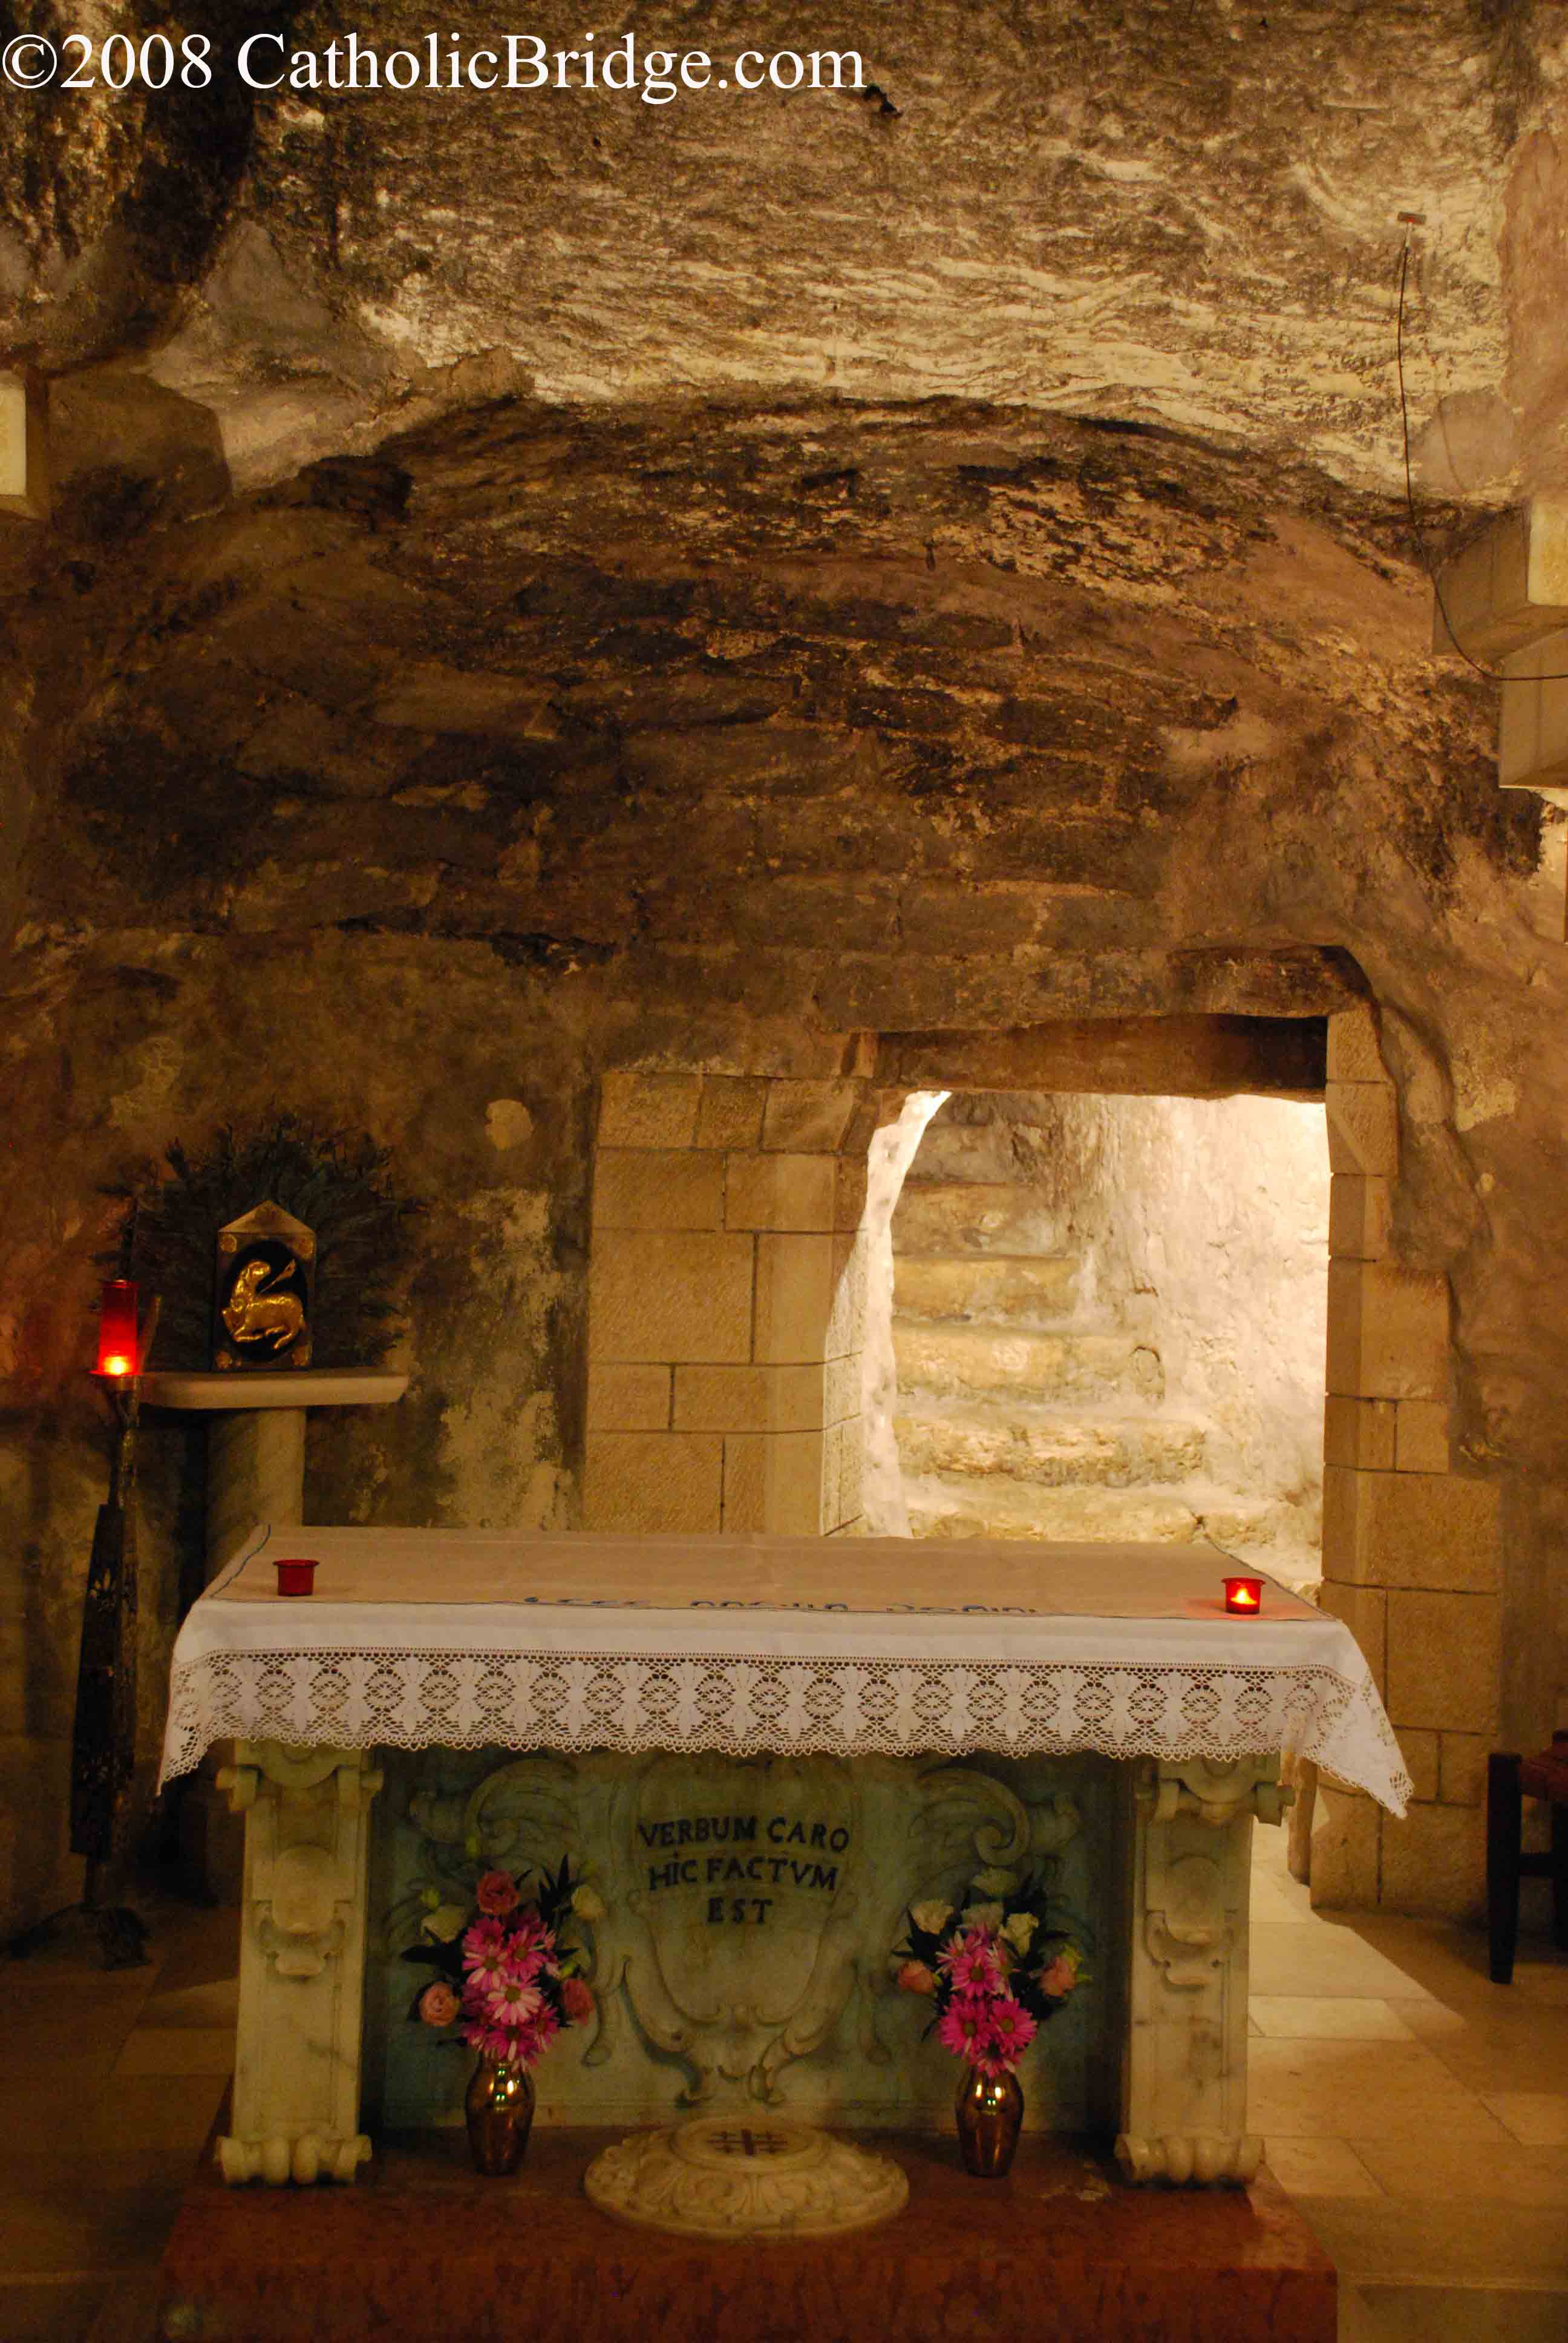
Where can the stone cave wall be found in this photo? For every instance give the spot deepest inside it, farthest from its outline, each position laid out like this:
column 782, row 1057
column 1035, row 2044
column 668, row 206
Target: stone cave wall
column 417, row 797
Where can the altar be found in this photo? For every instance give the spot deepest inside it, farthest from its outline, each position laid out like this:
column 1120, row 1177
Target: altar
column 758, row 1752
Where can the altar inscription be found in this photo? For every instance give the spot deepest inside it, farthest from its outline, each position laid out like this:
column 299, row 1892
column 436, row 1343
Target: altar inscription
column 742, row 1960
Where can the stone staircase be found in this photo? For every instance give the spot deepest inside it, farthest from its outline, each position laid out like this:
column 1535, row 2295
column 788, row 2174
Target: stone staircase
column 1018, row 1418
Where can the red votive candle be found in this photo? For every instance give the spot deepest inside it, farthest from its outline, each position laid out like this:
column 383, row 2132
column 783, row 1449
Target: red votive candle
column 1244, row 1596
column 117, row 1330
column 294, row 1577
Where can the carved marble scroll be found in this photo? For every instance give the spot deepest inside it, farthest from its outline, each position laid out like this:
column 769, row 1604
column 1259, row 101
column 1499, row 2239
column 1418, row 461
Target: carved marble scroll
column 295, row 2114
column 751, row 1904
column 1188, row 1838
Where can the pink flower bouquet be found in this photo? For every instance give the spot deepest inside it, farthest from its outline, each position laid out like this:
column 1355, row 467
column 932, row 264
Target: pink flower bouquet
column 996, row 1971
column 504, row 1972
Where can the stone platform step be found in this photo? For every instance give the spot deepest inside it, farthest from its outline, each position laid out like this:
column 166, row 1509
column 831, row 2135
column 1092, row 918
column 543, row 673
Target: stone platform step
column 1007, row 1286
column 1051, row 1447
column 956, row 1505
column 960, row 1362
column 972, row 1216
column 420, row 2247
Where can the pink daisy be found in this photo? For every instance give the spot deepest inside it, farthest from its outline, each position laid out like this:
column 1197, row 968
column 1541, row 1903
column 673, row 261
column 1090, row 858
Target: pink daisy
column 962, row 2028
column 1012, row 2029
column 492, row 2042
column 512, row 2000
column 485, row 1951
column 973, row 1963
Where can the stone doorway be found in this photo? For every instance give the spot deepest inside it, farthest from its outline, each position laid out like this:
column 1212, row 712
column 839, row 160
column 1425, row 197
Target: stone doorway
column 1108, row 1322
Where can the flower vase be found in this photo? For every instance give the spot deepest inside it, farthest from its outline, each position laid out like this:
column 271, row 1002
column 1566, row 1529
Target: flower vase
column 990, row 2111
column 500, row 2107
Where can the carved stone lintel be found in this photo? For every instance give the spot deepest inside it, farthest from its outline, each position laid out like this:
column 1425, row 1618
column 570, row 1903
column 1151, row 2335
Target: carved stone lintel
column 302, row 1963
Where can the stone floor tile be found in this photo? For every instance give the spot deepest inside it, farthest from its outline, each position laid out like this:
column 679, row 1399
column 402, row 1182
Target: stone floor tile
column 1317, row 2167
column 1340, row 2089
column 1422, row 2243
column 1536, row 2118
column 202, row 2005
column 155, row 2111
column 1434, row 2314
column 1450, row 2169
column 1504, row 2046
column 176, row 2050
column 1325, row 1960
column 1270, row 1907
column 1327, row 2017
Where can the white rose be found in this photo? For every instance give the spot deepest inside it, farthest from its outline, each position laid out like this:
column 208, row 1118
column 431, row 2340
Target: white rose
column 932, row 1917
column 588, row 1904
column 1018, row 1928
column 446, row 1921
column 994, row 1882
column 981, row 1915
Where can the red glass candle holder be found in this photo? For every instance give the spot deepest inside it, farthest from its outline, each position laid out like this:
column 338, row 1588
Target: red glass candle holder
column 117, row 1353
column 1244, row 1597
column 296, row 1575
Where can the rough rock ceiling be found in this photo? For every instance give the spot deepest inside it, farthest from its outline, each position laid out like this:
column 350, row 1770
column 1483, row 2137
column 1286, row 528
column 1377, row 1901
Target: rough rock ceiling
column 1184, row 213
column 776, row 677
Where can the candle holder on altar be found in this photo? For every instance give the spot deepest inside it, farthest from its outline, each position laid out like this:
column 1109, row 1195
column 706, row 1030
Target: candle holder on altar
column 1244, row 1597
column 104, row 1737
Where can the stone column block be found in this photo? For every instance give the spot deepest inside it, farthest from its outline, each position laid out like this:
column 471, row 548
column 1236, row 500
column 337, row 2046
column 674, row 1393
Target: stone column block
column 1360, row 1433
column 779, row 1192
column 648, row 1109
column 628, row 1399
column 794, row 1298
column 1434, row 1862
column 1359, row 1213
column 1354, row 1052
column 1421, row 1436
column 1444, row 1653
column 1363, row 1129
column 846, row 1328
column 1388, row 1331
column 1364, row 1611
column 657, row 1188
column 1412, row 1529
column 774, row 1481
column 730, row 1113
column 1347, row 1849
column 666, row 1296
column 644, row 1482
column 807, row 1118
column 1461, row 1768
column 749, row 1399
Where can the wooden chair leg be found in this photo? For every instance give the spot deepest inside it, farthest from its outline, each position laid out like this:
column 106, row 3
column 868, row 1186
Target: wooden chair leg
column 1560, row 1877
column 1504, row 1809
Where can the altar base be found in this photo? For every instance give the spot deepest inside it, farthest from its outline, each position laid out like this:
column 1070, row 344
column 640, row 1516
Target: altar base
column 1059, row 2252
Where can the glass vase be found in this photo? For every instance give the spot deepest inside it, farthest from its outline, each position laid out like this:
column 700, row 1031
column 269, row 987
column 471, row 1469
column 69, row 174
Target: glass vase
column 500, row 2107
column 990, row 2111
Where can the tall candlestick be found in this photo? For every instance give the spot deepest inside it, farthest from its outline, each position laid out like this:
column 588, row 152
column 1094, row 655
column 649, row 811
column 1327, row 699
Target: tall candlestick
column 118, row 1352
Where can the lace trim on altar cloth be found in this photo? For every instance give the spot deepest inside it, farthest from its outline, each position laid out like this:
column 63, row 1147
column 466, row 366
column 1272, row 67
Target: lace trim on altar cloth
column 746, row 1707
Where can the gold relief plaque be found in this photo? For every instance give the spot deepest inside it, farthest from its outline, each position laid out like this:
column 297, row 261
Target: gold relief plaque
column 261, row 1309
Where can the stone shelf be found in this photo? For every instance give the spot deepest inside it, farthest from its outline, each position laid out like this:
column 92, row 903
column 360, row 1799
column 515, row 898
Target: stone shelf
column 308, row 1387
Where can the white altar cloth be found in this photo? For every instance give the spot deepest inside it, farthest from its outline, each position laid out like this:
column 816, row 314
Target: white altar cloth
column 423, row 1638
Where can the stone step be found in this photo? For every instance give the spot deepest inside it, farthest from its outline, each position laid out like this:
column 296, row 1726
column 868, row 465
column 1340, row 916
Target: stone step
column 984, row 1216
column 956, row 1505
column 960, row 1362
column 1007, row 1286
column 1051, row 1447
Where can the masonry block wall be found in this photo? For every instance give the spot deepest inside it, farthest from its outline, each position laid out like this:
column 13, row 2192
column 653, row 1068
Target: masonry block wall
column 726, row 1305
column 1411, row 1557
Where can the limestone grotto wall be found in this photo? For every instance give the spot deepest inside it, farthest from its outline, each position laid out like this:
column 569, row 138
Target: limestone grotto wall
column 420, row 792
column 536, row 594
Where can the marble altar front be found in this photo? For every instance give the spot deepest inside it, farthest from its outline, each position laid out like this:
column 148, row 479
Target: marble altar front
column 761, row 1752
